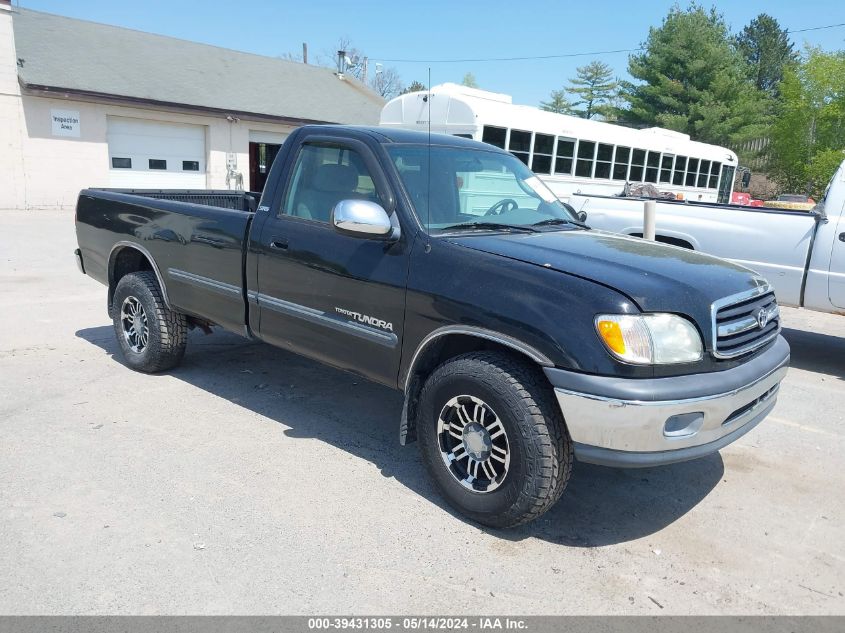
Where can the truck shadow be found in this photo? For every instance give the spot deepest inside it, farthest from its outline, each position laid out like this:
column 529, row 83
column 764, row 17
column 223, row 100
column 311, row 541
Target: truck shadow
column 601, row 506
column 816, row 352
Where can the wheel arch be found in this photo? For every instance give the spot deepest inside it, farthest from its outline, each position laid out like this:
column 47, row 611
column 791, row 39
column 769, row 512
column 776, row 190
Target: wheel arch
column 128, row 257
column 445, row 343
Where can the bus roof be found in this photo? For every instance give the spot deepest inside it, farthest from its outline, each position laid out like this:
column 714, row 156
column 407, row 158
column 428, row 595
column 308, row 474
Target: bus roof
column 454, row 106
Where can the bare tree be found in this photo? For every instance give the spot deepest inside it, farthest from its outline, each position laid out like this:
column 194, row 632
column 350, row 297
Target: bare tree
column 386, row 83
column 353, row 63
column 290, row 57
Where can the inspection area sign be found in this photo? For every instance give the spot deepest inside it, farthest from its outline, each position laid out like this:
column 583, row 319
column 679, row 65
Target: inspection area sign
column 65, row 122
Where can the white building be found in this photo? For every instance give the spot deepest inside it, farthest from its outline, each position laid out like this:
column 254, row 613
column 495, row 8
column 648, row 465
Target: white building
column 90, row 105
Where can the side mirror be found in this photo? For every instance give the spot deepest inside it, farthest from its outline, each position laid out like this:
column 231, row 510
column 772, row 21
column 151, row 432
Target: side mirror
column 362, row 218
column 582, row 215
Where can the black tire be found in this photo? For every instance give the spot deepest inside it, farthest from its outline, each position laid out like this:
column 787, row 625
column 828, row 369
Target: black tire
column 166, row 333
column 537, row 440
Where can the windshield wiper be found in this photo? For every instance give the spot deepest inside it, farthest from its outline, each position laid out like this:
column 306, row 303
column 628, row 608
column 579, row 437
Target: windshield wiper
column 489, row 225
column 555, row 221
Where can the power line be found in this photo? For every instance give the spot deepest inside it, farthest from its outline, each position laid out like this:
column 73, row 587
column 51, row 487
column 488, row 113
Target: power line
column 816, row 28
column 508, row 59
column 561, row 55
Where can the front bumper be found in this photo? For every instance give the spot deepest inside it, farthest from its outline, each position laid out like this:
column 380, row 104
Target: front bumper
column 647, row 422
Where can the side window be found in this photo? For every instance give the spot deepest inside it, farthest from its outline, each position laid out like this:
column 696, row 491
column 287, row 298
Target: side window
column 520, row 144
column 680, row 168
column 620, row 163
column 703, row 173
column 603, row 158
column 637, row 163
column 494, row 135
column 541, row 163
column 652, row 163
column 323, row 176
column 586, row 154
column 565, row 155
column 714, row 174
column 692, row 172
column 666, row 167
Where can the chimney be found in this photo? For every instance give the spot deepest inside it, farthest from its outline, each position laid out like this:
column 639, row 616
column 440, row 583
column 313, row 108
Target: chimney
column 341, row 63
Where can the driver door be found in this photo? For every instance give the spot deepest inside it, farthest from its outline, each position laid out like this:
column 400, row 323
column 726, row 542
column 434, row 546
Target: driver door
column 337, row 298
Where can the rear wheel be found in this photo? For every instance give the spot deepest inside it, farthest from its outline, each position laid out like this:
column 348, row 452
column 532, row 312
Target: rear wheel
column 493, row 439
column 151, row 336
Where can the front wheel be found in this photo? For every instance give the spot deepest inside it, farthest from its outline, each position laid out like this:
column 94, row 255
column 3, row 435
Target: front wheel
column 151, row 336
column 493, row 438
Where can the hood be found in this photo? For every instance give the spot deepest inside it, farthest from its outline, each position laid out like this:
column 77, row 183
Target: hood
column 657, row 277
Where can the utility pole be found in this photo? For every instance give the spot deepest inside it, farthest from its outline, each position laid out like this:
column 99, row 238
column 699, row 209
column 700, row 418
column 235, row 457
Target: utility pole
column 304, row 53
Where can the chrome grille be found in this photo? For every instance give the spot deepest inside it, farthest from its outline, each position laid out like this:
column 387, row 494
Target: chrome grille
column 745, row 322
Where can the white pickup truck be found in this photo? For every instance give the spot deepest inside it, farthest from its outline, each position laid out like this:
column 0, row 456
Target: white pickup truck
column 802, row 254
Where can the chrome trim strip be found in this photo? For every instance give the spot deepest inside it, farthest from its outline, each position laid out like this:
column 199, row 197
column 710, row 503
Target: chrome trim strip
column 380, row 337
column 737, row 327
column 145, row 253
column 205, row 282
column 731, row 300
column 747, row 324
column 489, row 335
column 662, row 403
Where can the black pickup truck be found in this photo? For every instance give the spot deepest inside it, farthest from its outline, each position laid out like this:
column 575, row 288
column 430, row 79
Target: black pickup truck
column 442, row 267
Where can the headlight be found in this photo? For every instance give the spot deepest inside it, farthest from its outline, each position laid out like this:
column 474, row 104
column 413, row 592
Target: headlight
column 650, row 339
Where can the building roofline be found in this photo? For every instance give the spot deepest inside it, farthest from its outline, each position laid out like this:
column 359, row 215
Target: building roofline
column 91, row 96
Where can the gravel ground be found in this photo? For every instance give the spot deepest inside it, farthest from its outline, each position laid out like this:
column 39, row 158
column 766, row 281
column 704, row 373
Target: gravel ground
column 252, row 481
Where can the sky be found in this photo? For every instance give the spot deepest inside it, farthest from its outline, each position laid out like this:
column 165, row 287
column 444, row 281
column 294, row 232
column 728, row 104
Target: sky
column 433, row 30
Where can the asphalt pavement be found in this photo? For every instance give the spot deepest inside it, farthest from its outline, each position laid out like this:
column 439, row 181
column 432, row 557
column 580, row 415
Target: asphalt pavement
column 252, row 481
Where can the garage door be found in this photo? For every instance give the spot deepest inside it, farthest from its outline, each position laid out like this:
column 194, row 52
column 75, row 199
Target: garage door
column 155, row 155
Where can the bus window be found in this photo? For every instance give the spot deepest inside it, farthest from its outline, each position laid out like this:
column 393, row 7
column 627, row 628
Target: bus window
column 541, row 161
column 494, row 136
column 680, row 168
column 666, row 168
column 692, row 171
column 703, row 172
column 620, row 163
column 637, row 163
column 520, row 144
column 604, row 156
column 652, row 163
column 586, row 153
column 714, row 174
column 564, row 155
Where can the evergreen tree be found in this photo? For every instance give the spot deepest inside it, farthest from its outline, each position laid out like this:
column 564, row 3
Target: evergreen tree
column 766, row 48
column 415, row 86
column 557, row 103
column 693, row 80
column 594, row 87
column 469, row 81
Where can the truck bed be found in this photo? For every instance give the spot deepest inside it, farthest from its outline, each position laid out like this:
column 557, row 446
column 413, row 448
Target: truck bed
column 195, row 237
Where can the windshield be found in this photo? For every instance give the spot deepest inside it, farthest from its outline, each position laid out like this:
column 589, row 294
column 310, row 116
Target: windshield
column 467, row 187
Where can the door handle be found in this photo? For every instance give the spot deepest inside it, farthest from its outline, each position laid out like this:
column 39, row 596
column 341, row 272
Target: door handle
column 842, row 237
column 279, row 245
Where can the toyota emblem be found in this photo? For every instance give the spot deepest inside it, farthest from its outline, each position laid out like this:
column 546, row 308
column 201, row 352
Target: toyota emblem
column 762, row 317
